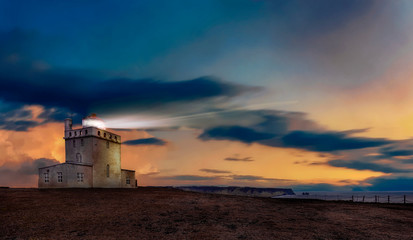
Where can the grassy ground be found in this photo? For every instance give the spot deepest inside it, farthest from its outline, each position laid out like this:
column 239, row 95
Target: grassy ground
column 163, row 213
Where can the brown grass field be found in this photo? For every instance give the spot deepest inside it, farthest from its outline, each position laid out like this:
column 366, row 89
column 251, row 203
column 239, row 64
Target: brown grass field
column 165, row 213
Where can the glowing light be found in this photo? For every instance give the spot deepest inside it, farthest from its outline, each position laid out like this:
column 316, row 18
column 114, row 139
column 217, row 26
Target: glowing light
column 93, row 122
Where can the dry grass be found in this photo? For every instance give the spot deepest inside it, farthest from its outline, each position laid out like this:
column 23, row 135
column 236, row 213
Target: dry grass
column 163, row 213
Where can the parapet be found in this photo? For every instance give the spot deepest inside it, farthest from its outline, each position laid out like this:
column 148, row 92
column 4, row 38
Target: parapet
column 92, row 132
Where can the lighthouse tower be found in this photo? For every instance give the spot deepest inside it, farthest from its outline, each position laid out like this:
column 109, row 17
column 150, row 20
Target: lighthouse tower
column 93, row 159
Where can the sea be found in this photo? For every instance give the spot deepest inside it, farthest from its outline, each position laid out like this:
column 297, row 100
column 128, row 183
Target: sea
column 359, row 196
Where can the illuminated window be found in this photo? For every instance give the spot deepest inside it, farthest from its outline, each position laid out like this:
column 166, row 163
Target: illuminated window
column 59, row 177
column 107, row 144
column 80, row 177
column 81, row 142
column 127, row 180
column 46, row 177
column 107, row 170
column 74, row 143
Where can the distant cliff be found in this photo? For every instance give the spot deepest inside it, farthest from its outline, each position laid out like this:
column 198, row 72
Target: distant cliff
column 243, row 191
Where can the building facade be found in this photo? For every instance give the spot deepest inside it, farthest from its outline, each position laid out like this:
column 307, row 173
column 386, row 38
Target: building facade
column 93, row 160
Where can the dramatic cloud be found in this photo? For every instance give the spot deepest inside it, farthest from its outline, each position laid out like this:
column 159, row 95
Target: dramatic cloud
column 393, row 152
column 236, row 159
column 329, row 141
column 392, row 183
column 146, row 141
column 326, row 141
column 188, row 178
column 359, row 165
column 213, row 171
column 255, row 178
column 234, row 133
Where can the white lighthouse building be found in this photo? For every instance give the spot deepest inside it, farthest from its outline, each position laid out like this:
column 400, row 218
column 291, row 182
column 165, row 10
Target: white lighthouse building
column 93, row 159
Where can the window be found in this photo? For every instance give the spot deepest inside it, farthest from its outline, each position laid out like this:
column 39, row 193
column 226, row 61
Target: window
column 110, row 136
column 81, row 142
column 104, row 134
column 85, row 132
column 99, row 133
column 46, row 177
column 107, row 144
column 78, row 157
column 80, row 133
column 59, row 177
column 70, row 134
column 80, row 177
column 127, row 180
column 116, row 138
column 74, row 143
column 107, row 170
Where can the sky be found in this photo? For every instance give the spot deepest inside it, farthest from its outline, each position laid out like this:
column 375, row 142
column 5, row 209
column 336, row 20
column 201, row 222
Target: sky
column 305, row 94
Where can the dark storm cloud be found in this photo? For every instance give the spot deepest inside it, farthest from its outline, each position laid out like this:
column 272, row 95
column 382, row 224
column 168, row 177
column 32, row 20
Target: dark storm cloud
column 213, row 171
column 392, row 183
column 234, row 133
column 18, row 119
column 237, row 159
column 81, row 95
column 394, row 151
column 255, row 178
column 360, row 165
column 329, row 141
column 188, row 178
column 146, row 141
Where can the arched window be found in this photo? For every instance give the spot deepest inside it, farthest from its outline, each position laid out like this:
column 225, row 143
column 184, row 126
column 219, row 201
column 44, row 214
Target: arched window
column 78, row 157
column 104, row 134
column 99, row 133
column 107, row 170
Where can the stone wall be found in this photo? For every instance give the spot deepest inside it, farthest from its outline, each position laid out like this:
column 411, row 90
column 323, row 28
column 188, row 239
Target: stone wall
column 125, row 174
column 69, row 176
column 106, row 153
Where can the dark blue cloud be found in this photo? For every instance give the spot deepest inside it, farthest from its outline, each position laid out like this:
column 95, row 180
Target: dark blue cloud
column 359, row 165
column 329, row 141
column 393, row 152
column 390, row 184
column 238, row 159
column 188, row 178
column 207, row 170
column 234, row 133
column 146, row 141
